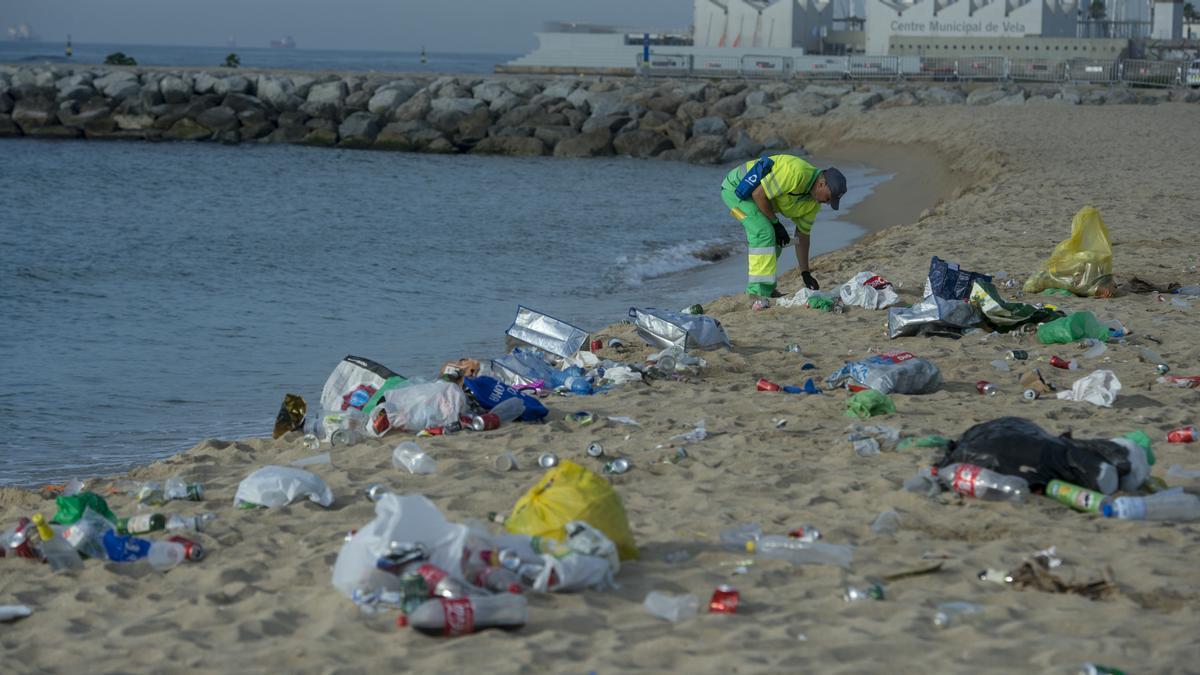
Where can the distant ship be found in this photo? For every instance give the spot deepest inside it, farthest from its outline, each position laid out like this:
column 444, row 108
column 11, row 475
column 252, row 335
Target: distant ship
column 286, row 43
column 22, row 33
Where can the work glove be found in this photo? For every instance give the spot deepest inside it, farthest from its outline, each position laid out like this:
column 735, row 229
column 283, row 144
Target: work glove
column 781, row 235
column 810, row 281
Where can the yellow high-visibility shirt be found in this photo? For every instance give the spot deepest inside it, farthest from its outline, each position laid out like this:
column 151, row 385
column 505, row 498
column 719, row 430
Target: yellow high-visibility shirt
column 787, row 186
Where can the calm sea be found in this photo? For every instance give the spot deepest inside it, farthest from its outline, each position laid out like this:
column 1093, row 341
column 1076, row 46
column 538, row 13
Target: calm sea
column 255, row 57
column 157, row 294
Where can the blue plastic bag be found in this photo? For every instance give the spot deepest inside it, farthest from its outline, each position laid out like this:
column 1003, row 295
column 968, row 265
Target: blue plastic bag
column 489, row 391
column 753, row 177
column 948, row 281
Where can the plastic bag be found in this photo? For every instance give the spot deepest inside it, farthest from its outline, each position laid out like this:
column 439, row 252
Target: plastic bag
column 1004, row 315
column 570, row 492
column 663, row 328
column 357, row 383
column 933, row 315
column 890, row 372
column 946, row 280
column 869, row 403
column 417, row 407
column 290, row 416
column 274, row 486
column 1100, row 388
column 490, row 392
column 407, row 519
column 868, row 290
column 1081, row 264
column 70, row 509
column 1072, row 328
column 802, row 296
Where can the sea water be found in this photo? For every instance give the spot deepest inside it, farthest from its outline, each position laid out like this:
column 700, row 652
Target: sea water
column 157, row 294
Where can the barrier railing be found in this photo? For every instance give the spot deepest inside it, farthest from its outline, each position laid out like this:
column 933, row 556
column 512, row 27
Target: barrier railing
column 1137, row 72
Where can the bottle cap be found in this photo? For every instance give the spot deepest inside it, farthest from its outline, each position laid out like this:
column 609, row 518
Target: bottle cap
column 1108, row 510
column 750, row 546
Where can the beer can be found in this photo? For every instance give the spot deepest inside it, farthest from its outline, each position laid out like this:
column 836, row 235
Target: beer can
column 617, row 466
column 597, row 344
column 548, row 460
column 1074, row 496
column 1017, row 355
column 505, row 462
column 594, row 449
column 1182, row 435
column 191, row 550
column 985, row 387
column 375, row 491
column 724, row 600
column 1030, row 395
column 766, row 385
column 1059, row 362
column 485, row 422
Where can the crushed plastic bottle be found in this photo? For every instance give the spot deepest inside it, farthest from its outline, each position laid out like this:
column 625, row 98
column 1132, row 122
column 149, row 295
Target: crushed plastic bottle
column 799, row 552
column 950, row 613
column 673, row 608
column 408, row 455
column 887, row 522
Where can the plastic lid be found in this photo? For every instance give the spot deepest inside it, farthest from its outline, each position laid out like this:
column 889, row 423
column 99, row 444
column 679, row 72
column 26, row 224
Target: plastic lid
column 1108, row 510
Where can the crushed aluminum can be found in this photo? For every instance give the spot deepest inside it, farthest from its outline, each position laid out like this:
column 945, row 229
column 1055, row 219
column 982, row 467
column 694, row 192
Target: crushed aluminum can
column 1182, row 435
column 191, row 550
column 681, row 454
column 806, row 533
column 594, row 449
column 764, row 384
column 375, row 491
column 617, row 466
column 1017, row 355
column 792, row 347
column 548, row 460
column 582, row 418
column 872, row 592
column 986, row 388
column 484, row 422
column 724, row 600
column 995, row 576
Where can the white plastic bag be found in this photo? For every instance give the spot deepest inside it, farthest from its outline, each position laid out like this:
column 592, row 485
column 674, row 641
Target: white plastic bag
column 274, row 486
column 409, row 519
column 1100, row 388
column 869, row 290
column 417, row 407
column 800, row 299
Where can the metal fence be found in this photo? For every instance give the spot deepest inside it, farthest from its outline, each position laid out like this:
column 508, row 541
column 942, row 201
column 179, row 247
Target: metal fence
column 1135, row 72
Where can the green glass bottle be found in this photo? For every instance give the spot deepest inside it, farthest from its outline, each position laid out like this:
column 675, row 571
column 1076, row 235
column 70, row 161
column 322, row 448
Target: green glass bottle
column 143, row 523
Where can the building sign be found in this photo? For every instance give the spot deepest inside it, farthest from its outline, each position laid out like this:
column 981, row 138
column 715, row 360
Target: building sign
column 935, row 28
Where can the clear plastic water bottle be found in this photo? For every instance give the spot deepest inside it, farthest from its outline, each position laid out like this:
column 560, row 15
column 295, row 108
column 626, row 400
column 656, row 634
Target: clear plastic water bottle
column 459, row 616
column 410, row 456
column 509, row 409
column 800, row 552
column 975, row 481
column 673, row 608
column 1173, row 504
column 193, row 523
column 164, row 555
column 56, row 550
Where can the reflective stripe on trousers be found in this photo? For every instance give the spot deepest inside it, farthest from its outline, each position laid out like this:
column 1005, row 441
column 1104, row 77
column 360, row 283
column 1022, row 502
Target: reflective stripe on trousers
column 762, row 255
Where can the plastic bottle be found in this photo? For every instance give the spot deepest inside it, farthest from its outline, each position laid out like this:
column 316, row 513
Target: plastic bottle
column 1147, row 355
column 509, row 409
column 163, row 555
column 193, row 523
column 673, row 608
column 800, row 552
column 497, row 580
column 59, row 553
column 143, row 523
column 177, row 488
column 975, row 481
column 1173, row 504
column 459, row 616
column 409, row 455
column 949, row 613
column 735, row 538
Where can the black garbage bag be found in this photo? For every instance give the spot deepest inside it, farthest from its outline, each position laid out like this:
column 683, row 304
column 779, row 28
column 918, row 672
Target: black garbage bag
column 1017, row 447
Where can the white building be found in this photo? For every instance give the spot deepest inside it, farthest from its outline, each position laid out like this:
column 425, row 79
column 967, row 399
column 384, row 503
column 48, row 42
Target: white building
column 770, row 24
column 1168, row 20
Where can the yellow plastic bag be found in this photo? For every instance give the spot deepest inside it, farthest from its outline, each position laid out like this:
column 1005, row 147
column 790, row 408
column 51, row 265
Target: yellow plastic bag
column 571, row 492
column 1081, row 264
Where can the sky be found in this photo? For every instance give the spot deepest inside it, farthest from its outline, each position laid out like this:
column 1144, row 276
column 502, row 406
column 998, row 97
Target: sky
column 484, row 26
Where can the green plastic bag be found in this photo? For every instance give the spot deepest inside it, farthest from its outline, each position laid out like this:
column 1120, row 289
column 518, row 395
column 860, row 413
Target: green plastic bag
column 1002, row 314
column 1141, row 438
column 932, row 441
column 1072, row 328
column 822, row 303
column 70, row 509
column 869, row 403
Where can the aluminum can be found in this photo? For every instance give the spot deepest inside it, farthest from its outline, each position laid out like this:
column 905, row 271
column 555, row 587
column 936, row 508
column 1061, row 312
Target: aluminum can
column 985, row 387
column 792, row 347
column 1182, row 435
column 485, row 422
column 766, row 385
column 724, row 600
column 375, row 491
column 1059, row 362
column 505, row 462
column 594, row 449
column 548, row 460
column 1074, row 496
column 191, row 550
column 1017, row 355
column 872, row 592
column 597, row 344
column 1030, row 395
column 618, row 466
column 806, row 533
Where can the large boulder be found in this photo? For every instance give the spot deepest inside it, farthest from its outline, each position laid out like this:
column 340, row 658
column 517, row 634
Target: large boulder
column 641, row 143
column 32, row 83
column 389, row 97
column 187, row 129
column 174, row 89
column 513, row 146
column 234, row 84
column 524, row 88
column 986, row 96
column 489, row 90
column 241, row 102
column 832, row 90
column 518, row 116
column 759, row 97
column 744, row 147
column 446, row 113
column 473, row 127
column 704, row 149
column 560, row 89
column 203, row 83
column 860, row 100
column 665, row 103
column 218, row 119
column 902, row 99
column 278, row 93
column 690, row 110
column 1015, row 98
column 596, row 143
column 728, row 107
column 321, row 132
column 415, row 108
column 79, row 92
column 806, row 103
column 709, row 126
column 359, row 130
column 505, row 102
column 394, row 137
column 611, row 122
column 252, row 116
column 286, row 134
column 31, row 113
column 114, row 77
column 128, row 121
column 8, row 127
column 6, row 104
column 553, row 135
column 326, row 99
column 940, row 96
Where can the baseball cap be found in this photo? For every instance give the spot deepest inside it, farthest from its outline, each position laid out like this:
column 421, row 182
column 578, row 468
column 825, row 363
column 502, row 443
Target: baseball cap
column 837, row 186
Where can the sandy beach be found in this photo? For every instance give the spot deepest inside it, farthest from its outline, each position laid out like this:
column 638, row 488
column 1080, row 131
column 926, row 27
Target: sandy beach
column 993, row 189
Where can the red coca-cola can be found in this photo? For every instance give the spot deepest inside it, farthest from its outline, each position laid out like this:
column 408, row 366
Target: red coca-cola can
column 766, row 385
column 1182, row 435
column 724, row 600
column 484, row 422
column 597, row 344
column 191, row 550
column 1059, row 362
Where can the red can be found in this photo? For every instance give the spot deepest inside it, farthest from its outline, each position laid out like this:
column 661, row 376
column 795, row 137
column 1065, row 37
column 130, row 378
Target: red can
column 597, row 344
column 724, row 600
column 1182, row 435
column 985, row 387
column 1059, row 362
column 766, row 385
column 191, row 550
column 484, row 422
